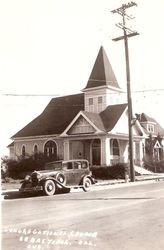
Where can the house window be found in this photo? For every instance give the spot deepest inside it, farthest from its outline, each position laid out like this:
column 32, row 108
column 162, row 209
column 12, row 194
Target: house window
column 100, row 99
column 150, row 128
column 90, row 100
column 23, row 151
column 115, row 147
column 50, row 150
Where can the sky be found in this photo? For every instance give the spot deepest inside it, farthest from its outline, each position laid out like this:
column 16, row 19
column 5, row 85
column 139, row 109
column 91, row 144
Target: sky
column 48, row 48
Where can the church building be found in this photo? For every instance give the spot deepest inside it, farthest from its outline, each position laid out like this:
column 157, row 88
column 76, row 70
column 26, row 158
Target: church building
column 92, row 125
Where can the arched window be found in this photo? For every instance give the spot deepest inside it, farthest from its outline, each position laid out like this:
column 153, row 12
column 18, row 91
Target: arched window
column 35, row 152
column 115, row 147
column 50, row 150
column 23, row 151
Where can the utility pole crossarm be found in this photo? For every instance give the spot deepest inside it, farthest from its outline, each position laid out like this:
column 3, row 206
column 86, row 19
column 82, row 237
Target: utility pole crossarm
column 124, row 7
column 122, row 37
column 127, row 33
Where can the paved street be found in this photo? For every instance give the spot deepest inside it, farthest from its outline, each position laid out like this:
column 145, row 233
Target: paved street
column 127, row 217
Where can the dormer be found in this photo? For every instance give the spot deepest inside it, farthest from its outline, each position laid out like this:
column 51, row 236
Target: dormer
column 149, row 124
column 102, row 88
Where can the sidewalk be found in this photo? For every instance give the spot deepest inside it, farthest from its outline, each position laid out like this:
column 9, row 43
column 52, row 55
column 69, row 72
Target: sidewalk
column 138, row 179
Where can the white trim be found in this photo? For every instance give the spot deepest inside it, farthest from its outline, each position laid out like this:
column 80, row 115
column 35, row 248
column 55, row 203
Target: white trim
column 123, row 136
column 75, row 119
column 137, row 124
column 34, row 137
column 140, row 127
column 111, row 146
column 150, row 127
column 157, row 145
column 102, row 87
column 83, row 136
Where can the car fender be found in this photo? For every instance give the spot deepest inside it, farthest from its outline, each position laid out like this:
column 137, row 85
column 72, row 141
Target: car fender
column 53, row 179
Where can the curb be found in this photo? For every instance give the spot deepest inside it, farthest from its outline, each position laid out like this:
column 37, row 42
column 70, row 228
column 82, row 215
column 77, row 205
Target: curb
column 139, row 180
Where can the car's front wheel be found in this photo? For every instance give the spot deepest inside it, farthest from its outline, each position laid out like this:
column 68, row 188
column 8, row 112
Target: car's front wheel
column 49, row 187
column 86, row 184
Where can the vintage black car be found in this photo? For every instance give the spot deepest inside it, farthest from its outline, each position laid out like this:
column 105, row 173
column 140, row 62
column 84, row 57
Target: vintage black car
column 59, row 175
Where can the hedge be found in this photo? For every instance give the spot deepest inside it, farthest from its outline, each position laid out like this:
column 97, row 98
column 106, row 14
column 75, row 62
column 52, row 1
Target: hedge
column 117, row 171
column 17, row 169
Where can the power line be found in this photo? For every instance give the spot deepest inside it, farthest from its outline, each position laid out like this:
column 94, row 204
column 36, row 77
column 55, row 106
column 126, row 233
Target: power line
column 57, row 95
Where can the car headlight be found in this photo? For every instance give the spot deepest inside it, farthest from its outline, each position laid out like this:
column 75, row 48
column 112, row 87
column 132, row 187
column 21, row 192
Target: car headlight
column 38, row 175
column 27, row 178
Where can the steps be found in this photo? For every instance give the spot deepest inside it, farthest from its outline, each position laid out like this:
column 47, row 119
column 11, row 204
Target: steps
column 142, row 171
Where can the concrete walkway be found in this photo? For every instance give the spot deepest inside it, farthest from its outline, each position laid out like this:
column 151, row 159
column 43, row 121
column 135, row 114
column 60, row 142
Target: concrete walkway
column 138, row 179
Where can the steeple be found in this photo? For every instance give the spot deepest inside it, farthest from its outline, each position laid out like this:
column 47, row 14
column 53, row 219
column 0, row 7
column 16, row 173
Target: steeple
column 102, row 73
column 102, row 88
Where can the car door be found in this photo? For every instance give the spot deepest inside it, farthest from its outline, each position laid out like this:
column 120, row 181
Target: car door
column 78, row 172
column 68, row 173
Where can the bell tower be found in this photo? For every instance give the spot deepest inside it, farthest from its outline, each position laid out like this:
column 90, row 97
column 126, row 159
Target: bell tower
column 102, row 88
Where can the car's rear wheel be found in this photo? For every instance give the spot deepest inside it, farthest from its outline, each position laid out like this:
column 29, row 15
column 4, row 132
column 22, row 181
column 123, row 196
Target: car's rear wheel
column 86, row 184
column 49, row 187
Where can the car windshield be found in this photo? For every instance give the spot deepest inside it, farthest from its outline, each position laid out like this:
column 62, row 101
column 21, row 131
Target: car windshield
column 53, row 166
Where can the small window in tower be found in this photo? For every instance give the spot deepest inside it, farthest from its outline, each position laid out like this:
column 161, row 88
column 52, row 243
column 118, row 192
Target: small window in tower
column 99, row 99
column 90, row 101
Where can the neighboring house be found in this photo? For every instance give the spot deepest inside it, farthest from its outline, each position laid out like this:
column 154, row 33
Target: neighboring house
column 91, row 125
column 154, row 139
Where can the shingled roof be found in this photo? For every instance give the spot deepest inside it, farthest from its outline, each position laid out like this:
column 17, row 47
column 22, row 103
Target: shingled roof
column 111, row 115
column 143, row 118
column 102, row 73
column 55, row 117
column 107, row 119
column 95, row 119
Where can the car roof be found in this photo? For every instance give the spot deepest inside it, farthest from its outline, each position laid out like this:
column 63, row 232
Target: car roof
column 65, row 161
column 74, row 160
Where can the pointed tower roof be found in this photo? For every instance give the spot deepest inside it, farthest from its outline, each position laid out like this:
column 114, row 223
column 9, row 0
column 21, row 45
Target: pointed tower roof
column 102, row 73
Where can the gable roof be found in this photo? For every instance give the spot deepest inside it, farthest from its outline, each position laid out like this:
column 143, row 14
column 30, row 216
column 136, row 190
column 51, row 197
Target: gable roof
column 104, row 121
column 55, row 118
column 10, row 145
column 108, row 118
column 102, row 73
column 144, row 118
column 96, row 120
column 111, row 115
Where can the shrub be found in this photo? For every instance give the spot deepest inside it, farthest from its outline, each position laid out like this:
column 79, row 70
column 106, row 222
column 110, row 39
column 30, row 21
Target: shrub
column 110, row 172
column 17, row 169
column 154, row 166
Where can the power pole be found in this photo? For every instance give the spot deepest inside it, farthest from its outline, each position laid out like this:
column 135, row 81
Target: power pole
column 127, row 33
